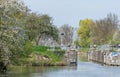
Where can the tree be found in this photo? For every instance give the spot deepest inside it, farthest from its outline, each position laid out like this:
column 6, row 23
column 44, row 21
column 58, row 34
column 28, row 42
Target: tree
column 18, row 27
column 12, row 35
column 68, row 31
column 12, row 13
column 12, row 42
column 116, row 38
column 40, row 25
column 103, row 30
column 84, row 32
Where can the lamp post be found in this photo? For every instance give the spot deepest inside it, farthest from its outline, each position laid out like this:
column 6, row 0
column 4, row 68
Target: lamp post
column 62, row 34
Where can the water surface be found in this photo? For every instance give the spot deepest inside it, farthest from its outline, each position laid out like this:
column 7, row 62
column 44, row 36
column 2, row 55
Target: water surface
column 84, row 69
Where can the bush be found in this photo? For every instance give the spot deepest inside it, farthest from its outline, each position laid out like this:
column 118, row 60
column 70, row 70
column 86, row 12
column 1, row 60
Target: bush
column 28, row 48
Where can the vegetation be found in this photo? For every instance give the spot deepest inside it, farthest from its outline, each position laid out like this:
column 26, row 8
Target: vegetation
column 40, row 25
column 66, row 34
column 84, row 32
column 20, row 30
column 40, row 48
column 104, row 31
column 52, row 56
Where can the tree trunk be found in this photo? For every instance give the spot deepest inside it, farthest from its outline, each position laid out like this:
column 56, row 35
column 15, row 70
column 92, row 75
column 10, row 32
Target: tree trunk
column 3, row 67
column 37, row 40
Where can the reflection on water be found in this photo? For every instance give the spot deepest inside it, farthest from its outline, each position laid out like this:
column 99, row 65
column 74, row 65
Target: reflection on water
column 83, row 56
column 84, row 69
column 38, row 71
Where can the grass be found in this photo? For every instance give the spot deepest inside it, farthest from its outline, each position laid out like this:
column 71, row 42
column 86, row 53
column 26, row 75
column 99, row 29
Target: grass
column 40, row 48
column 56, row 56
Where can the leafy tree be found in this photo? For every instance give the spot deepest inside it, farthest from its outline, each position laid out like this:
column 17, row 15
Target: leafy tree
column 39, row 25
column 12, row 42
column 12, row 35
column 18, row 27
column 12, row 13
column 84, row 32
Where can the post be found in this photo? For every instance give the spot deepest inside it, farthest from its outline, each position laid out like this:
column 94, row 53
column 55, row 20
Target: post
column 62, row 34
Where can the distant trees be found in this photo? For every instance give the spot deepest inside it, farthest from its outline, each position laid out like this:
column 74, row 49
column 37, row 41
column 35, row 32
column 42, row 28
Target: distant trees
column 104, row 29
column 99, row 31
column 84, row 32
column 67, row 31
column 116, row 38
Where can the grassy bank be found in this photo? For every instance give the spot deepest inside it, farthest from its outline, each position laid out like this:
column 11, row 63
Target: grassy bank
column 43, row 55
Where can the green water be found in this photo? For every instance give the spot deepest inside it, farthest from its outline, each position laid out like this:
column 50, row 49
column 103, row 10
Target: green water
column 84, row 69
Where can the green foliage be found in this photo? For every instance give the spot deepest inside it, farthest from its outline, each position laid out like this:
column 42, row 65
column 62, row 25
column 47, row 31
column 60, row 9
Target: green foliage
column 76, row 42
column 115, row 42
column 84, row 32
column 103, row 30
column 54, row 33
column 28, row 48
column 40, row 25
column 55, row 56
column 17, row 26
column 12, row 13
column 99, row 32
column 12, row 42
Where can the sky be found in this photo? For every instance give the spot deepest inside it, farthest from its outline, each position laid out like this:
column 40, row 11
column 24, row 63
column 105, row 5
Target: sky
column 72, row 11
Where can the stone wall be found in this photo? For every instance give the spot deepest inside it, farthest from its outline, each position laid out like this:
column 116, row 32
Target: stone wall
column 104, row 56
column 71, row 57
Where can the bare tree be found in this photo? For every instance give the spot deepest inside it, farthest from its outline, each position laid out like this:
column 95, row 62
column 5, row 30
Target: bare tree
column 67, row 33
column 116, row 36
column 103, row 30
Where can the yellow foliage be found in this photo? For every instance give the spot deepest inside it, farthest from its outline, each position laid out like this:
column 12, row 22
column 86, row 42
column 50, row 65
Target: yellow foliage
column 84, row 31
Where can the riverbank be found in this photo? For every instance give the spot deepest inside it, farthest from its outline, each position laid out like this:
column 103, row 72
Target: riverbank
column 105, row 55
column 46, row 56
column 43, row 56
column 84, row 69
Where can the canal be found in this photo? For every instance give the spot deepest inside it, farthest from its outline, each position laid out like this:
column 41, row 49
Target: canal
column 84, row 69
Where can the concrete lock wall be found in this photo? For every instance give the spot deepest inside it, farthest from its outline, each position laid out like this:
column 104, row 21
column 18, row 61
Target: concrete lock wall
column 104, row 56
column 71, row 57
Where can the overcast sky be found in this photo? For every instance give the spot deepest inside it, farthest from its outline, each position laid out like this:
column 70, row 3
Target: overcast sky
column 72, row 11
